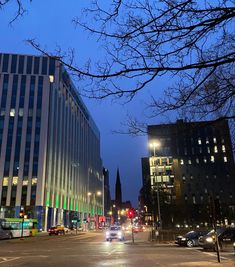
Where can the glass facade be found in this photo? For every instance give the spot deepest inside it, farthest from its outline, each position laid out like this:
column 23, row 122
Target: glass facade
column 50, row 147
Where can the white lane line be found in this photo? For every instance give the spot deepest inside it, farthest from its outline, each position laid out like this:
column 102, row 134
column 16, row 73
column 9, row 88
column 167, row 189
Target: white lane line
column 7, row 259
column 111, row 252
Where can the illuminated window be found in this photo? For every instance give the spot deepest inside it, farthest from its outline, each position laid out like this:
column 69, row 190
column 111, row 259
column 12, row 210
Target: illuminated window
column 207, row 140
column 197, row 160
column 205, row 160
column 222, row 140
column 225, row 159
column 25, row 182
column 183, row 178
column 214, row 140
column 199, row 141
column 5, row 181
column 194, row 199
column 215, row 149
column 208, row 150
column 212, row 159
column 181, row 162
column 12, row 112
column 21, row 112
column 34, row 181
column 2, row 113
column 223, row 148
column 189, row 161
column 15, row 180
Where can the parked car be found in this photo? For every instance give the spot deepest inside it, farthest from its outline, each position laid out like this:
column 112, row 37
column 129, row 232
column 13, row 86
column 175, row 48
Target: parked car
column 5, row 233
column 114, row 232
column 226, row 238
column 57, row 230
column 190, row 239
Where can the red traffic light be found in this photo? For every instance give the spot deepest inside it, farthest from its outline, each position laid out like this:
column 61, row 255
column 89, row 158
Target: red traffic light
column 130, row 213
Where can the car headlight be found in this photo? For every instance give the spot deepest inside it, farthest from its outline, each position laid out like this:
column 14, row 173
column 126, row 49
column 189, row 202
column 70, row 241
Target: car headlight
column 107, row 233
column 119, row 233
column 183, row 239
column 209, row 239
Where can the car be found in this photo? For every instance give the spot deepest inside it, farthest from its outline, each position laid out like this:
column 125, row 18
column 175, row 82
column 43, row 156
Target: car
column 226, row 239
column 190, row 239
column 57, row 230
column 114, row 232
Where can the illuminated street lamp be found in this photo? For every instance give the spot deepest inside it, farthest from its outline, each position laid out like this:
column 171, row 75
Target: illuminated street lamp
column 154, row 146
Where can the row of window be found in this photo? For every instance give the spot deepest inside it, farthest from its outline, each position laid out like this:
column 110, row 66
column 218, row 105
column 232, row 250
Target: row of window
column 27, row 64
column 201, row 197
column 204, row 160
column 15, row 179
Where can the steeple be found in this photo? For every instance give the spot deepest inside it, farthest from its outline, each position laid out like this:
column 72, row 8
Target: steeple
column 118, row 191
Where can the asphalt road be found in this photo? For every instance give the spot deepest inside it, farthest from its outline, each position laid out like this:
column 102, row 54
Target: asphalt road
column 91, row 249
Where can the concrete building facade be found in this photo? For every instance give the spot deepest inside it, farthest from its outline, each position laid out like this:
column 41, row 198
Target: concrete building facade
column 50, row 162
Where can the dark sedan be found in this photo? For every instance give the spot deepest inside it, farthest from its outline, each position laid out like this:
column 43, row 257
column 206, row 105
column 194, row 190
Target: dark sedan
column 226, row 238
column 190, row 239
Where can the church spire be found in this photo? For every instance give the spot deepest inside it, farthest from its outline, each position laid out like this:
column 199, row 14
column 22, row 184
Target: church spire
column 118, row 191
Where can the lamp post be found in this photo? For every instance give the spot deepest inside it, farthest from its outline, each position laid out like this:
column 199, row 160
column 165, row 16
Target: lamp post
column 154, row 146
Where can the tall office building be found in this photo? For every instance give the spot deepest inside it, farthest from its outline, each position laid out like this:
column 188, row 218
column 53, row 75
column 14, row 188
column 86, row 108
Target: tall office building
column 190, row 172
column 50, row 162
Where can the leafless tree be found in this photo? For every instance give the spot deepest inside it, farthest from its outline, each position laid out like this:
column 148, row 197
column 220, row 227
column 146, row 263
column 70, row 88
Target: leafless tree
column 189, row 42
column 20, row 10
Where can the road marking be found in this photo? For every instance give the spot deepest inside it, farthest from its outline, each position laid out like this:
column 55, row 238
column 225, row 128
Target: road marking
column 7, row 259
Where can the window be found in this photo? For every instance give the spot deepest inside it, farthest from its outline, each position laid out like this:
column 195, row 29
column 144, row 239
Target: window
column 29, row 65
column 214, row 140
column 25, row 182
column 205, row 160
column 189, row 161
column 34, row 181
column 5, row 63
column 199, row 141
column 21, row 65
column 13, row 63
column 15, row 180
column 208, row 150
column 181, row 162
column 5, row 181
column 212, row 159
column 200, row 150
column 21, row 112
column 197, row 160
column 223, row 148
column 194, row 199
column 12, row 112
column 225, row 159
column 207, row 140
column 215, row 149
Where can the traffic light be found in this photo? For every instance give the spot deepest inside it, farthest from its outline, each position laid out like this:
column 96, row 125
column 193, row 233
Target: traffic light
column 130, row 213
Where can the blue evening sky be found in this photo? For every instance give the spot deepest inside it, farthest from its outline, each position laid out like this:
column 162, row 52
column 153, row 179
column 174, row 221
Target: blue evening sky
column 50, row 23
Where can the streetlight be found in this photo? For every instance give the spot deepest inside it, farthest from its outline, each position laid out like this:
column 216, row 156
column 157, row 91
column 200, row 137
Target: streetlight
column 154, row 146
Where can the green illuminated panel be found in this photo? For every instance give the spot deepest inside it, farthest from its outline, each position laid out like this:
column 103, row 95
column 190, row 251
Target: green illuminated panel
column 65, row 202
column 48, row 199
column 57, row 201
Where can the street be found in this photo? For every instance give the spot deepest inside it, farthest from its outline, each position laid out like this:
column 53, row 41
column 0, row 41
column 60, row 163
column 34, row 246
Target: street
column 90, row 249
